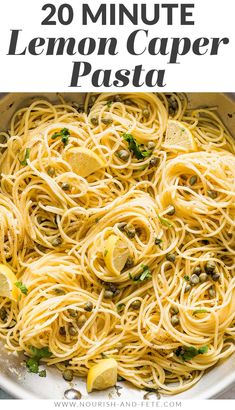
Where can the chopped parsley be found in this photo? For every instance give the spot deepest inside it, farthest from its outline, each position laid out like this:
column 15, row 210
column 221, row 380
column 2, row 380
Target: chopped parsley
column 22, row 287
column 105, row 252
column 142, row 276
column 164, row 221
column 33, row 362
column 64, row 134
column 109, row 103
column 187, row 278
column 134, row 147
column 32, row 365
column 26, row 157
column 187, row 353
column 195, row 312
column 44, row 352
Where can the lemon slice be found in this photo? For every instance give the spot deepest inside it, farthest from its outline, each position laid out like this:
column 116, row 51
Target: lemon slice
column 83, row 161
column 179, row 137
column 7, row 283
column 102, row 375
column 115, row 254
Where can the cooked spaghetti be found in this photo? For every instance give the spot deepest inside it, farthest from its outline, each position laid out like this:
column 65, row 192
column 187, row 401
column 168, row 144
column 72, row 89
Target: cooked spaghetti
column 134, row 261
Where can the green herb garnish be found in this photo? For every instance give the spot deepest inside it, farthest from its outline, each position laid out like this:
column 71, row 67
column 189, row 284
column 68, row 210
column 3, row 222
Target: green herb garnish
column 32, row 365
column 195, row 312
column 109, row 103
column 44, row 352
column 33, row 362
column 142, row 276
column 64, row 134
column 105, row 252
column 26, row 157
column 187, row 353
column 187, row 278
column 134, row 147
column 22, row 287
column 164, row 221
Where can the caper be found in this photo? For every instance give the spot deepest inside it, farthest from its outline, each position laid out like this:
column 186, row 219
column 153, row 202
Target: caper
column 65, row 186
column 203, row 277
column 154, row 161
column 194, row 279
column 72, row 331
column 62, row 331
column 121, row 225
column 136, row 304
column 3, row 314
column 68, row 375
column 94, row 121
column 117, row 98
column 56, row 242
column 123, row 154
column 210, row 267
column 113, row 289
column 215, row 277
column 51, row 171
column 129, row 263
column 187, row 288
column 170, row 210
column 146, row 113
column 107, row 121
column 120, row 379
column 175, row 320
column 108, row 294
column 193, row 180
column 174, row 310
column 197, row 270
column 130, row 231
column 81, row 321
column 151, row 145
column 88, row 306
column 170, row 257
column 3, row 139
column 211, row 292
column 212, row 194
column 73, row 312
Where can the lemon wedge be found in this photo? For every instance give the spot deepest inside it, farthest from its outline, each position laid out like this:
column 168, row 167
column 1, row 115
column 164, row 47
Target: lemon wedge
column 7, row 283
column 179, row 137
column 102, row 375
column 115, row 254
column 83, row 161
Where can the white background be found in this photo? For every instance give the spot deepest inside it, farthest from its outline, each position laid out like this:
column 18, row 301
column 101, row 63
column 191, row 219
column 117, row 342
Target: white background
column 213, row 18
